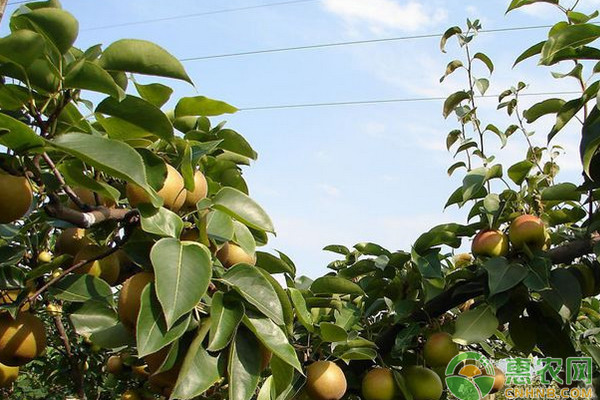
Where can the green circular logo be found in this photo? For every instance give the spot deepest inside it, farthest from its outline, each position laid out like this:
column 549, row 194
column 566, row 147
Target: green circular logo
column 470, row 376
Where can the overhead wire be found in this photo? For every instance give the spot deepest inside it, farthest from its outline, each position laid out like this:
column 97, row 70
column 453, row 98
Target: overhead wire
column 200, row 14
column 385, row 101
column 351, row 43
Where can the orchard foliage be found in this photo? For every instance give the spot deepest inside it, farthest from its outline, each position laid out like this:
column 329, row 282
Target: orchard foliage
column 129, row 234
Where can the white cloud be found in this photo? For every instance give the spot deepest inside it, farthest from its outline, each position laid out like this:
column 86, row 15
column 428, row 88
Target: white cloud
column 380, row 16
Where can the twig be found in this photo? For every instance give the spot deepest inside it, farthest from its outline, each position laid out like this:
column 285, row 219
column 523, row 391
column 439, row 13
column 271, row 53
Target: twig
column 111, row 250
column 77, row 375
column 72, row 195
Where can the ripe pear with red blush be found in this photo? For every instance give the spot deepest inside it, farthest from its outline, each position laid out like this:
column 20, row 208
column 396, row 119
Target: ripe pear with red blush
column 490, row 243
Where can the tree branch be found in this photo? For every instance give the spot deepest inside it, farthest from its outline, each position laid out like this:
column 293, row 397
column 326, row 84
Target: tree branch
column 469, row 289
column 57, row 210
column 132, row 219
column 75, row 368
column 72, row 195
column 567, row 253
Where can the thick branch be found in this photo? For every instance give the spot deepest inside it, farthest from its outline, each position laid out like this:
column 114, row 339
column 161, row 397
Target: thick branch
column 87, row 219
column 567, row 253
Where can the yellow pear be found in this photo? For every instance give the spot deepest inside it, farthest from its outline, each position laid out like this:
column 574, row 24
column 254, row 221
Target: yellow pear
column 71, row 240
column 200, row 191
column 16, row 197
column 379, row 384
column 325, row 381
column 231, row 254
column 8, row 375
column 21, row 339
column 130, row 298
column 172, row 191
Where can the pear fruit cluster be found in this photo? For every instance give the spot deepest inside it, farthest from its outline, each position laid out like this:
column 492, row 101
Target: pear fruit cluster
column 524, row 231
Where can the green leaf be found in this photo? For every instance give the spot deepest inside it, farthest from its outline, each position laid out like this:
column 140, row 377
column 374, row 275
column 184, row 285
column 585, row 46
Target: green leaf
column 219, row 226
column 503, row 275
column 355, row 353
column 475, row 326
column 273, row 338
column 202, row 106
column 371, row 249
column 73, row 172
column 93, row 317
column 13, row 97
column 561, row 192
column 92, row 77
column 486, row 60
column 284, row 300
column 183, row 271
column 565, row 295
column 428, row 264
column 22, row 47
column 580, row 18
column 116, row 336
column 81, row 288
column 473, row 182
column 530, row 52
column 520, row 3
column 451, row 67
column 154, row 93
column 243, row 366
column 572, row 107
column 455, row 30
column 548, row 106
column 522, row 332
column 12, row 277
column 519, row 171
column 20, row 137
column 267, row 390
column 242, row 208
column 234, row 142
column 283, row 377
column 243, row 236
column 453, row 101
column 332, row 332
column 140, row 113
column 337, row 248
column 255, row 289
column 151, row 330
column 156, row 168
column 142, row 57
column 590, row 140
column 198, row 373
column 304, row 316
column 273, row 264
column 563, row 36
column 335, row 284
column 111, row 156
column 58, row 26
column 225, row 317
column 482, row 85
column 161, row 222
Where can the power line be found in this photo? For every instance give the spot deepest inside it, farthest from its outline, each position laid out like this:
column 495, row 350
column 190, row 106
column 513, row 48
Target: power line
column 194, row 15
column 385, row 101
column 352, row 43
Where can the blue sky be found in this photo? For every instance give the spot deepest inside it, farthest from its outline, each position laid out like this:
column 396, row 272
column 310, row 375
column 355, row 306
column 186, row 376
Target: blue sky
column 341, row 174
